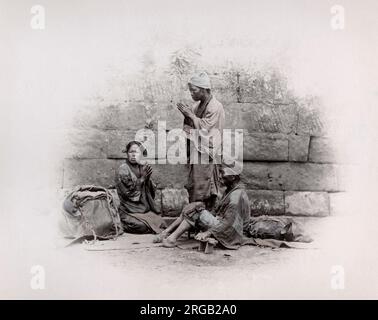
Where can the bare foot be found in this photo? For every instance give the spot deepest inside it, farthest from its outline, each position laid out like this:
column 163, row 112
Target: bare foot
column 160, row 237
column 168, row 243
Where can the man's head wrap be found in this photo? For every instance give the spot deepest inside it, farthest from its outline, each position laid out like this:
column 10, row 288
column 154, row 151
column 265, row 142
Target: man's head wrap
column 232, row 168
column 201, row 80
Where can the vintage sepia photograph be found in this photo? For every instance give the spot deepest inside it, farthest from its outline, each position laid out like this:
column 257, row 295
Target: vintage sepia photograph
column 201, row 150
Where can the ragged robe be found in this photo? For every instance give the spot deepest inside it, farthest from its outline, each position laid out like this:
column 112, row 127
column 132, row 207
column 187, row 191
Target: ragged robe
column 233, row 213
column 137, row 206
column 203, row 181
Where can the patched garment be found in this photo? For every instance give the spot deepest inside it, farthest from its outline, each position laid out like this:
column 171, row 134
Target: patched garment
column 137, row 208
column 233, row 214
column 203, row 181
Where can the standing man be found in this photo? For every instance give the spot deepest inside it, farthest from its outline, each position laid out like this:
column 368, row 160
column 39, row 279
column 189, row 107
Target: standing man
column 203, row 124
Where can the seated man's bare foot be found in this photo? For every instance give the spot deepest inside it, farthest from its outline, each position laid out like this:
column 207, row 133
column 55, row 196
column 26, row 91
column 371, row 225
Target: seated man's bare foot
column 169, row 243
column 160, row 237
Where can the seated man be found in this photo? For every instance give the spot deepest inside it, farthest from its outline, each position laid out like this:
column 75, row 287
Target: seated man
column 228, row 222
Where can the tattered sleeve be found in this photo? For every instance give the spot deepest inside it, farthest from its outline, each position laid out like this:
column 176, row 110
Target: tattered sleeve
column 210, row 119
column 208, row 136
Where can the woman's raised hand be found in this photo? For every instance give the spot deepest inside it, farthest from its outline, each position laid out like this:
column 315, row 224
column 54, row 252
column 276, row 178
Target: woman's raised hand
column 146, row 172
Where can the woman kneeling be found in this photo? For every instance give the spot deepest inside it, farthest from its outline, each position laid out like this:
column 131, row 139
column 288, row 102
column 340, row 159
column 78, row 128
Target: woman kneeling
column 136, row 192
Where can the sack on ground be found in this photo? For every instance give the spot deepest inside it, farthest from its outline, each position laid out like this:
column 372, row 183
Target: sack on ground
column 90, row 211
column 279, row 228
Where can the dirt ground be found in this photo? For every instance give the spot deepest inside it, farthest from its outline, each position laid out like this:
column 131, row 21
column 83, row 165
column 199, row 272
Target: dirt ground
column 182, row 260
column 134, row 268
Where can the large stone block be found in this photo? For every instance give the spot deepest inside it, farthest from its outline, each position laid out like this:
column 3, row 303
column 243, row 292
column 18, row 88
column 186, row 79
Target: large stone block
column 257, row 117
column 306, row 203
column 124, row 116
column 233, row 112
column 265, row 146
column 290, row 176
column 173, row 201
column 168, row 112
column 311, row 119
column 321, row 150
column 298, row 147
column 84, row 144
column 170, row 176
column 89, row 171
column 266, row 202
column 117, row 140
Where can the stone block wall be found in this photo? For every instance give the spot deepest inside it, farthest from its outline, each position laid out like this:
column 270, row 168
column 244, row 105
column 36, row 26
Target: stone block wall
column 289, row 164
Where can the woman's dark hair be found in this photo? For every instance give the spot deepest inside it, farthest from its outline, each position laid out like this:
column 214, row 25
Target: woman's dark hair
column 139, row 144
